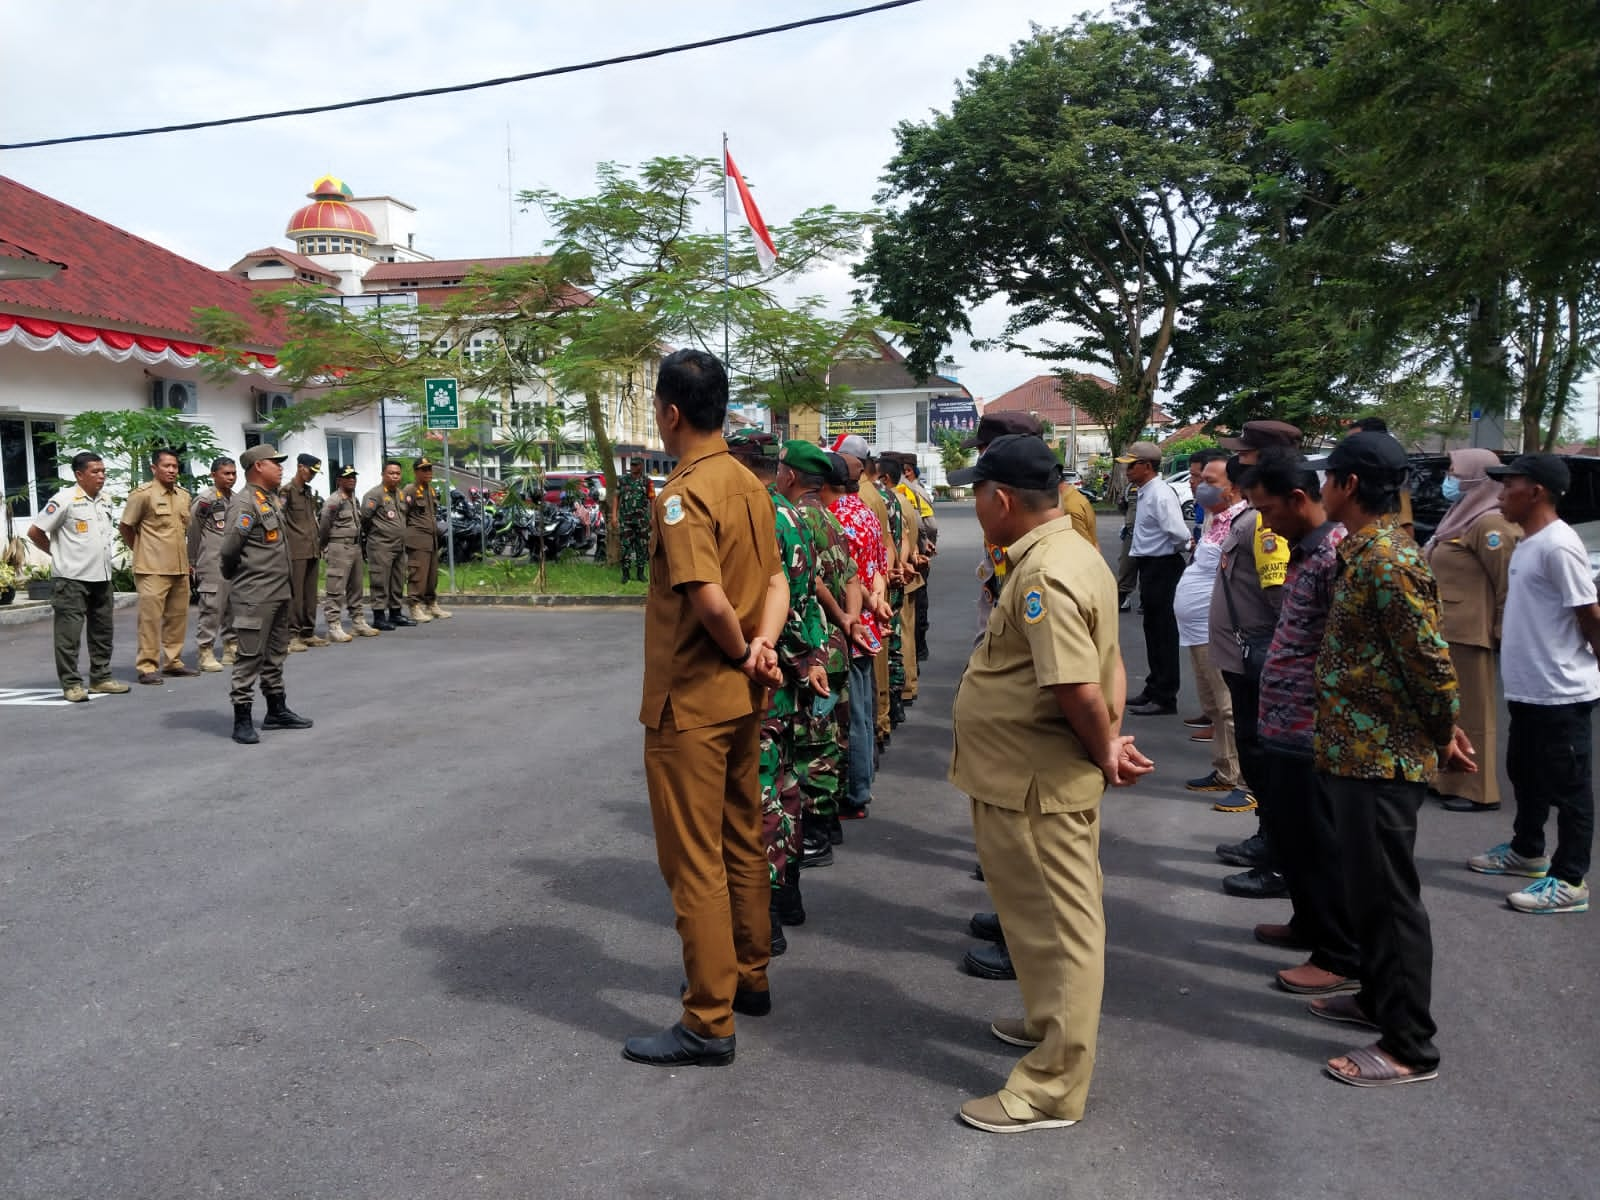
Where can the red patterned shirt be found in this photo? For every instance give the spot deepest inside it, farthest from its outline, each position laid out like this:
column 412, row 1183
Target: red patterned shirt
column 864, row 536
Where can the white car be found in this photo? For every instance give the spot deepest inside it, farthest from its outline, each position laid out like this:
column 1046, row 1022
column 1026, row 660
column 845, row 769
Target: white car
column 1180, row 484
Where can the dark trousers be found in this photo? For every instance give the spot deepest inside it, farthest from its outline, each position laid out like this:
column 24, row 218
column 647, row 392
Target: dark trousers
column 1246, row 696
column 78, row 602
column 1158, row 583
column 1299, row 823
column 1550, row 758
column 303, row 597
column 919, row 600
column 1377, row 825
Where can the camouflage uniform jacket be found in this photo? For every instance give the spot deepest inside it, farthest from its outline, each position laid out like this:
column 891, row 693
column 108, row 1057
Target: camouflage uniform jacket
column 835, row 569
column 633, row 503
column 803, row 642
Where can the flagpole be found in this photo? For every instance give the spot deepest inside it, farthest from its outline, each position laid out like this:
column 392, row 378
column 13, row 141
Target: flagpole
column 725, row 272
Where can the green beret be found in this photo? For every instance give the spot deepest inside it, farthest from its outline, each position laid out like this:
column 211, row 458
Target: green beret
column 807, row 458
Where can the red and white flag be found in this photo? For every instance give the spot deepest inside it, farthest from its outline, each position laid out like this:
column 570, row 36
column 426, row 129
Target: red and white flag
column 742, row 204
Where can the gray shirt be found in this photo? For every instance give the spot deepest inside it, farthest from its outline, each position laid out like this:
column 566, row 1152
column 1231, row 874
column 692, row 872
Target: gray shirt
column 1159, row 529
column 255, row 549
column 208, row 520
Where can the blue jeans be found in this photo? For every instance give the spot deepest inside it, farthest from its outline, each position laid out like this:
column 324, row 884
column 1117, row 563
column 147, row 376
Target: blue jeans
column 863, row 735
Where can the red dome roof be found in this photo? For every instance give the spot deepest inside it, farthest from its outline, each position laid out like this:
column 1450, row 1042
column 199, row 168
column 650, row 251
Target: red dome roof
column 331, row 216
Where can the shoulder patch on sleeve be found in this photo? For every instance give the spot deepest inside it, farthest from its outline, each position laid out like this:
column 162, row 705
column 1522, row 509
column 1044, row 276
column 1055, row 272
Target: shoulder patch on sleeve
column 1493, row 540
column 50, row 508
column 1033, row 606
column 672, row 509
column 246, row 519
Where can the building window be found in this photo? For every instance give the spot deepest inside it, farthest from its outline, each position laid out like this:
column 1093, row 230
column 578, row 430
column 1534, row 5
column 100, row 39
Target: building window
column 260, row 437
column 922, row 423
column 29, row 470
column 341, row 452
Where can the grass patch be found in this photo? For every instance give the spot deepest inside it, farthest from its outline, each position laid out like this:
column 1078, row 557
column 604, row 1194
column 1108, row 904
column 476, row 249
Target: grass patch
column 568, row 576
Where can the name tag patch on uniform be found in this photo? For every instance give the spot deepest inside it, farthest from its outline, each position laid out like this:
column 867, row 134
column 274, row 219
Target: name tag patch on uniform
column 672, row 510
column 1033, row 607
column 1493, row 540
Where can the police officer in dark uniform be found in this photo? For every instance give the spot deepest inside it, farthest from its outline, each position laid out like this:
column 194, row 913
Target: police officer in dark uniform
column 385, row 529
column 301, row 508
column 255, row 560
column 419, row 506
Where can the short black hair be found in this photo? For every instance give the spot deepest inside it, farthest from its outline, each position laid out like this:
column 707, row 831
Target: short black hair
column 890, row 469
column 393, row 462
column 763, row 466
column 1237, row 470
column 218, row 463
column 166, row 452
column 1377, row 491
column 82, row 459
column 1280, row 471
column 1205, row 456
column 1370, row 425
column 696, row 384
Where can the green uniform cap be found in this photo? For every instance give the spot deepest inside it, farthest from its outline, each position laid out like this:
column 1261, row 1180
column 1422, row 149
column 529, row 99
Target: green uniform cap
column 807, row 458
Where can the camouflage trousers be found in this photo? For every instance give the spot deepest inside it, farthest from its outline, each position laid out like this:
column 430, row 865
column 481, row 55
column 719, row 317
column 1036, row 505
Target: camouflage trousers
column 896, row 640
column 780, row 785
column 821, row 734
column 635, row 547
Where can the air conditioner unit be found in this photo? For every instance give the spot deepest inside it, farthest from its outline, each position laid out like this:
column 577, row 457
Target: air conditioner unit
column 175, row 395
column 270, row 404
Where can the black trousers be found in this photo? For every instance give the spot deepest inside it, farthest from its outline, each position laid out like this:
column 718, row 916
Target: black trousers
column 1158, row 584
column 1377, row 825
column 919, row 600
column 1550, row 759
column 1299, row 822
column 1246, row 696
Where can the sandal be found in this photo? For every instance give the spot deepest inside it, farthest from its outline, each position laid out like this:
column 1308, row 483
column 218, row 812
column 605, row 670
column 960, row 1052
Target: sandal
column 1376, row 1069
column 1341, row 1008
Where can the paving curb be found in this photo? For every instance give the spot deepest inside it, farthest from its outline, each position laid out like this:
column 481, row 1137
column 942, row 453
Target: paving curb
column 542, row 600
column 26, row 612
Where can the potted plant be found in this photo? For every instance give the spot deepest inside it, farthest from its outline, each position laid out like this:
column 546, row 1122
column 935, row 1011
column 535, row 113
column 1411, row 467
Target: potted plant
column 8, row 583
column 41, row 584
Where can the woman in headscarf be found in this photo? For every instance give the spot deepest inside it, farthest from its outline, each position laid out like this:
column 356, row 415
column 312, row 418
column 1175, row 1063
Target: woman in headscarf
column 1470, row 554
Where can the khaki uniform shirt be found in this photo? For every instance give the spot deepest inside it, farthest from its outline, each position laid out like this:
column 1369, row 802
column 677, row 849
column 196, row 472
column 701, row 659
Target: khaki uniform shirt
column 208, row 520
column 910, row 523
column 873, row 499
column 1054, row 623
column 162, row 521
column 255, row 548
column 340, row 520
column 380, row 513
column 711, row 523
column 300, row 505
column 1077, row 507
column 1472, row 571
column 82, row 535
column 419, row 507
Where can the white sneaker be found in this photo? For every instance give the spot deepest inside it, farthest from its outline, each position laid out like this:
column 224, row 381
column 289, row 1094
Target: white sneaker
column 1503, row 860
column 1551, row 895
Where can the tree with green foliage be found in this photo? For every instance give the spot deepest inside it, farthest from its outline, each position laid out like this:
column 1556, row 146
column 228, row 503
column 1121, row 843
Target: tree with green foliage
column 952, row 455
column 128, row 438
column 1074, row 178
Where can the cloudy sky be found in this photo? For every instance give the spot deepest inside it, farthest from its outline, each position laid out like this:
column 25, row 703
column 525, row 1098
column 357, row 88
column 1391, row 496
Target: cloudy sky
column 810, row 114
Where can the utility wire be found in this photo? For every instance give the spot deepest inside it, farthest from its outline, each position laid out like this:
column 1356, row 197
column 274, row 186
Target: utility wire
column 468, row 87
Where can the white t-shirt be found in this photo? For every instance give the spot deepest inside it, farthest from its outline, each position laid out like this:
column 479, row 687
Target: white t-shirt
column 1191, row 603
column 1544, row 657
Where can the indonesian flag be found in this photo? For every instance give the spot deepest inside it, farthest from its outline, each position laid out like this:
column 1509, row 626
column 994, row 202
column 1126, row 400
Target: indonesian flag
column 742, row 204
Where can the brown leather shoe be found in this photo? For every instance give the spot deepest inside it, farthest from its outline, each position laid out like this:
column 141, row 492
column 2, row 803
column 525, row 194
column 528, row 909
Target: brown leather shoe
column 178, row 670
column 1204, row 734
column 151, row 677
column 1309, row 980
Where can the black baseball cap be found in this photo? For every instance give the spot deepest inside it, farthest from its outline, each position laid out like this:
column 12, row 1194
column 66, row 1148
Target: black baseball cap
column 347, row 472
column 997, row 425
column 1017, row 460
column 309, row 460
column 1547, row 470
column 1258, row 435
column 1363, row 451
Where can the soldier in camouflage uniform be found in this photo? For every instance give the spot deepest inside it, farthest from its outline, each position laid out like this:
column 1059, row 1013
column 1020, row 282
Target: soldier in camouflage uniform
column 805, row 480
column 888, row 476
column 802, row 656
column 630, row 513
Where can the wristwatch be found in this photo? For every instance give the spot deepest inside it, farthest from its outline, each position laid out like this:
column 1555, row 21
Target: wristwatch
column 742, row 659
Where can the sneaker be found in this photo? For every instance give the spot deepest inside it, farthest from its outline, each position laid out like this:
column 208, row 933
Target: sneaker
column 108, row 687
column 74, row 693
column 1551, row 895
column 1252, row 852
column 1014, row 1032
column 1238, row 800
column 989, row 1115
column 1503, row 860
column 1200, row 722
column 1209, row 783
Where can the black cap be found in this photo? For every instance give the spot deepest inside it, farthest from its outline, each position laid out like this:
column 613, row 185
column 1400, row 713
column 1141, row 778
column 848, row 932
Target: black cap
column 1017, row 460
column 309, row 460
column 347, row 472
column 1258, row 435
column 999, row 424
column 839, row 476
column 1364, row 451
column 1547, row 470
column 422, row 464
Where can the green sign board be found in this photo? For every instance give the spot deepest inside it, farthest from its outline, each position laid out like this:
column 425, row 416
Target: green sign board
column 443, row 404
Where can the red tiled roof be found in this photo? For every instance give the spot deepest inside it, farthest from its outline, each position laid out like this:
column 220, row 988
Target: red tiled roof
column 289, row 258
column 1042, row 395
column 444, row 268
column 1183, row 433
column 112, row 278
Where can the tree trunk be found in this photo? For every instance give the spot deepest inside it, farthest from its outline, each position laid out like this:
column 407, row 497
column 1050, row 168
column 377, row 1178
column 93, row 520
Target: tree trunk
column 608, row 466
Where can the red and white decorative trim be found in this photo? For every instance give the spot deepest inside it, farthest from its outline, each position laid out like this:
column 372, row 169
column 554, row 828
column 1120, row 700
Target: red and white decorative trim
column 37, row 333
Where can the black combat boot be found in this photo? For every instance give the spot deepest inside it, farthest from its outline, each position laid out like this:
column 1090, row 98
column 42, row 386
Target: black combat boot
column 790, row 908
column 244, row 729
column 780, row 943
column 380, row 620
column 835, row 830
column 624, row 574
column 815, row 848
column 398, row 617
column 281, row 716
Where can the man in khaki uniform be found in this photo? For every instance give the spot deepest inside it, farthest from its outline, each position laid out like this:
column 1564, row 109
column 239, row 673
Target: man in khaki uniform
column 301, row 509
column 386, row 531
column 911, row 562
column 718, row 599
column 1077, row 507
column 208, row 518
column 1037, row 742
column 155, row 525
column 77, row 532
column 420, row 508
column 339, row 534
column 255, row 558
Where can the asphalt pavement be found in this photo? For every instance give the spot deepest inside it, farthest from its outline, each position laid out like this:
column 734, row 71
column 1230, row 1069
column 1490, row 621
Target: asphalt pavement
column 396, row 956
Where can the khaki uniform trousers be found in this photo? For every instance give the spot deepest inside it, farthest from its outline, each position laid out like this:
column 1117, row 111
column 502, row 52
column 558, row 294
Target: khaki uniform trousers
column 264, row 631
column 908, row 643
column 422, row 567
column 705, row 804
column 1475, row 673
column 216, row 614
column 163, row 619
column 1217, row 703
column 880, row 673
column 386, row 574
column 1043, row 873
column 303, row 597
column 343, row 582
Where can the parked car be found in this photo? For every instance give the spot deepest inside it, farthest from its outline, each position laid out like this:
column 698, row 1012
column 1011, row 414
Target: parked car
column 1180, row 484
column 1579, row 507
